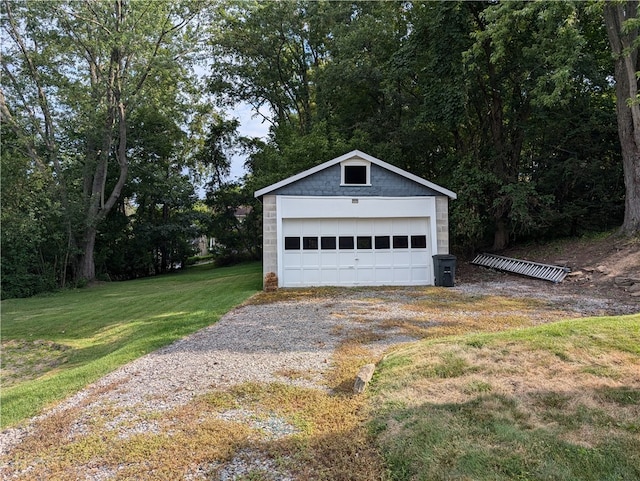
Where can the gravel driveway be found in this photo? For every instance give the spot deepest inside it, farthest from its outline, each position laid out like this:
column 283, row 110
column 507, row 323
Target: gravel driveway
column 255, row 342
column 261, row 342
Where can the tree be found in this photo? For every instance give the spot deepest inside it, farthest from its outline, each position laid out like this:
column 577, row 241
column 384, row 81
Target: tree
column 522, row 61
column 234, row 216
column 622, row 21
column 235, row 223
column 493, row 82
column 268, row 54
column 33, row 241
column 220, row 142
column 154, row 231
column 75, row 72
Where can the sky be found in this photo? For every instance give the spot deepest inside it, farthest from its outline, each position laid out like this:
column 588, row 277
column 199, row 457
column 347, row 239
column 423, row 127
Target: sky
column 251, row 125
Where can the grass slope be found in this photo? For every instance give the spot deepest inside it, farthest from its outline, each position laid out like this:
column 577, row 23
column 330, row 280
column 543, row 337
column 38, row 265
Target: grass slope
column 55, row 345
column 553, row 402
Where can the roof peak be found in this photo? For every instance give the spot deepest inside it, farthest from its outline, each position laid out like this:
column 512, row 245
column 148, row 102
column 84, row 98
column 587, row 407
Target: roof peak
column 349, row 155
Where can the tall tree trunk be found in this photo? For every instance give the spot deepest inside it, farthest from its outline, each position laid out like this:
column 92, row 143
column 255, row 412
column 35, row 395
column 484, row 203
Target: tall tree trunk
column 631, row 167
column 624, row 45
column 164, row 243
column 97, row 206
column 87, row 266
column 631, row 224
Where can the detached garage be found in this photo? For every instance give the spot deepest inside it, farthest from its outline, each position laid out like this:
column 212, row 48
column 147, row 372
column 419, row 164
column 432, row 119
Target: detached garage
column 354, row 221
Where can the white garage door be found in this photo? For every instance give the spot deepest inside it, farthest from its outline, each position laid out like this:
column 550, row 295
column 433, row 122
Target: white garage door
column 352, row 252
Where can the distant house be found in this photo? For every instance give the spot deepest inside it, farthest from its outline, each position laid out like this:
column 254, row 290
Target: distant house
column 203, row 245
column 354, row 220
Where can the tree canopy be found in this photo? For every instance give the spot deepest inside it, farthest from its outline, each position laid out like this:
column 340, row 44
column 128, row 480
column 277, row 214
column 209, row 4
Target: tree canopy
column 528, row 110
column 508, row 103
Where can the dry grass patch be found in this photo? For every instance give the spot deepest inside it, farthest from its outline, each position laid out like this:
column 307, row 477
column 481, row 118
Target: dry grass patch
column 364, row 335
column 293, row 295
column 347, row 359
column 526, row 404
column 330, row 293
column 332, row 441
column 296, row 374
column 157, row 446
column 414, row 328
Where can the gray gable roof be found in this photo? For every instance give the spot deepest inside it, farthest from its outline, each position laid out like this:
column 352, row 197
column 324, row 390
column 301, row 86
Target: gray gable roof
column 424, row 186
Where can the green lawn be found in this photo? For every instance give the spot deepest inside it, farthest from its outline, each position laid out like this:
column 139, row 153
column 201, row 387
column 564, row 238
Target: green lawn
column 54, row 345
column 554, row 402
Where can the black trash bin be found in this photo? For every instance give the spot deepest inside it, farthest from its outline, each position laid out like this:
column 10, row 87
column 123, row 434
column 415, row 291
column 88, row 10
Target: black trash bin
column 444, row 270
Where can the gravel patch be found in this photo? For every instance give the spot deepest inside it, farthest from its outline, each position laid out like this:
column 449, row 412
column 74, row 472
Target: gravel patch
column 583, row 303
column 253, row 343
column 270, row 425
column 246, row 465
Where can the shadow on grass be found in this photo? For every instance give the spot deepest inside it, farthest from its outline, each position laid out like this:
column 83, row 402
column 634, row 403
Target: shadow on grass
column 497, row 437
column 84, row 366
column 111, row 324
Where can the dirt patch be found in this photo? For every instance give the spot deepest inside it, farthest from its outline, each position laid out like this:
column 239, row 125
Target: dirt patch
column 595, row 265
column 24, row 360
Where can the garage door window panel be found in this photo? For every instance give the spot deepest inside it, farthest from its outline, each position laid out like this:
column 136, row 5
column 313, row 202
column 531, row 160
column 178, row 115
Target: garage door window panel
column 383, row 242
column 400, row 242
column 346, row 243
column 364, row 242
column 328, row 243
column 309, row 243
column 418, row 241
column 292, row 243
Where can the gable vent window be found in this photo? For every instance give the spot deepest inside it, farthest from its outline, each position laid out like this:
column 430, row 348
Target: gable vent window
column 356, row 172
